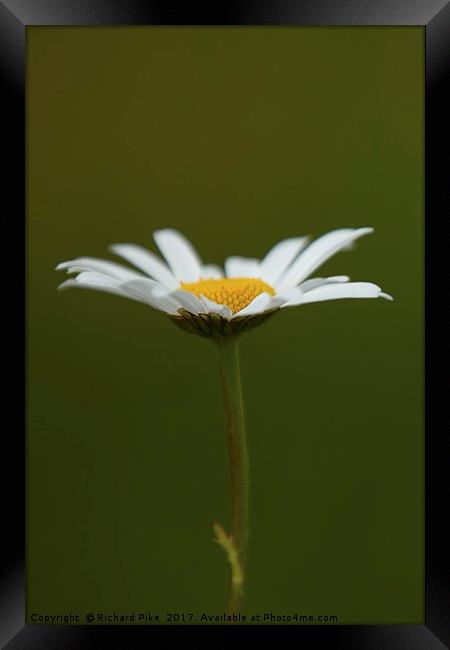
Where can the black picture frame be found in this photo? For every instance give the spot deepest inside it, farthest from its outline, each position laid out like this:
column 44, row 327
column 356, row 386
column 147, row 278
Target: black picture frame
column 434, row 16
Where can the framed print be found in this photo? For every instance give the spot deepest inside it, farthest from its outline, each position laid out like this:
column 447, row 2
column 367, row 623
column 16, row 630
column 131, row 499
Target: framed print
column 246, row 441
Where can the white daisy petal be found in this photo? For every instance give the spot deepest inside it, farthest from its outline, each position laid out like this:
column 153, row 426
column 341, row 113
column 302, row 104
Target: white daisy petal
column 319, row 252
column 337, row 292
column 242, row 267
column 91, row 280
column 292, row 293
column 211, row 271
column 181, row 256
column 214, row 308
column 188, row 301
column 257, row 306
column 117, row 271
column 67, row 284
column 95, row 276
column 277, row 301
column 142, row 288
column 96, row 281
column 307, row 285
column 147, row 262
column 92, row 277
column 100, row 287
column 277, row 260
column 160, row 290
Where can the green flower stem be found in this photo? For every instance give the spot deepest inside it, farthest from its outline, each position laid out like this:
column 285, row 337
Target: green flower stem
column 234, row 544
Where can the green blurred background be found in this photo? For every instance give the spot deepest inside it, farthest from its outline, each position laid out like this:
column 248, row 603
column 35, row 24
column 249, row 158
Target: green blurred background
column 238, row 137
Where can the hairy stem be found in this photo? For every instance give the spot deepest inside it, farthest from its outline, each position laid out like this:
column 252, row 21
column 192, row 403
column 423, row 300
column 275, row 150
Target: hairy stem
column 235, row 544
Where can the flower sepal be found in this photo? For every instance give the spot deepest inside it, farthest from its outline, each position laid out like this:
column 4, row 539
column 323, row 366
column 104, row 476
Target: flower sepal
column 215, row 326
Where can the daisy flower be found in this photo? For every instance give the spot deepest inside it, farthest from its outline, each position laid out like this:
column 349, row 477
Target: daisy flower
column 208, row 300
column 219, row 304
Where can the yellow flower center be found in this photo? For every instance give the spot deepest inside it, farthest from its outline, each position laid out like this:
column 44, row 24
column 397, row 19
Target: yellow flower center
column 235, row 293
